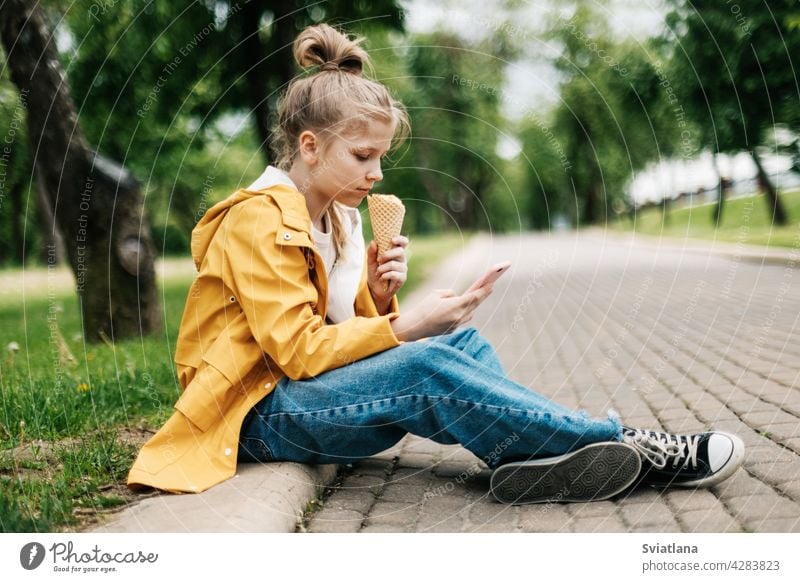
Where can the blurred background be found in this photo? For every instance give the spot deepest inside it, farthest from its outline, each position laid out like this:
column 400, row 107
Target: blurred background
column 526, row 114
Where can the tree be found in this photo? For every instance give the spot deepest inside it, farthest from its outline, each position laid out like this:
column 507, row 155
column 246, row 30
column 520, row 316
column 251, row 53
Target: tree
column 613, row 117
column 734, row 71
column 457, row 123
column 96, row 202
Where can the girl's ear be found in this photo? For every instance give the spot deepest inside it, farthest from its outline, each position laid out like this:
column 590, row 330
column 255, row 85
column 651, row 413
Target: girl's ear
column 308, row 146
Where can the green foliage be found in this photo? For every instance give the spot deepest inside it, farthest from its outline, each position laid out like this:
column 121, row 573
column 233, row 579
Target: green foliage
column 455, row 110
column 614, row 117
column 732, row 65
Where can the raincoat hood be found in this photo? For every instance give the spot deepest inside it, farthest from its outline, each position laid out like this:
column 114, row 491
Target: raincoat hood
column 288, row 197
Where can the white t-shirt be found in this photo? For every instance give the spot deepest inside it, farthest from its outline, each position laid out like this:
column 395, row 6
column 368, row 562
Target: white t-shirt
column 344, row 274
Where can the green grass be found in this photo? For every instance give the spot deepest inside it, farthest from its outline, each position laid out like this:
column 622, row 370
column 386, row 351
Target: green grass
column 744, row 220
column 63, row 411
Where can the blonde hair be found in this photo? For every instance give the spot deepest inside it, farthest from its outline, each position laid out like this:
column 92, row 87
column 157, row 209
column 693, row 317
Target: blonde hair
column 335, row 97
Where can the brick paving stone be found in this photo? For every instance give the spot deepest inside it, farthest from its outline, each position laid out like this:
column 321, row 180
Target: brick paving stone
column 687, row 424
column 740, row 484
column 430, row 523
column 744, row 432
column 647, row 514
column 350, row 500
column 444, row 504
column 711, row 520
column 336, row 520
column 641, row 494
column 583, row 510
column 667, row 527
column 610, row 523
column 410, row 474
column 765, row 420
column 370, row 484
column 544, row 519
column 759, row 507
column 779, row 525
column 793, row 444
column 447, row 488
column 775, row 473
column 686, row 500
column 771, row 453
column 784, row 431
column 384, row 529
column 674, row 414
column 790, row 489
column 751, row 406
column 489, row 527
column 484, row 512
column 706, row 402
column 392, row 513
column 448, row 469
column 410, row 492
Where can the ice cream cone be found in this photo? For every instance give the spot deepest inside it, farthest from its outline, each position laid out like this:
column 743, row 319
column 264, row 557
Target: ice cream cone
column 386, row 212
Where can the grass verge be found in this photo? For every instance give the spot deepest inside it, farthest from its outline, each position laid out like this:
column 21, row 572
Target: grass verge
column 744, row 220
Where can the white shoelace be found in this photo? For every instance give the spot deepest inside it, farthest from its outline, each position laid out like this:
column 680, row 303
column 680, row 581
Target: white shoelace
column 658, row 447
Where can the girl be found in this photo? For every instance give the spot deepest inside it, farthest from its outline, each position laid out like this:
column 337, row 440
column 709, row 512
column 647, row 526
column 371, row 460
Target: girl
column 291, row 347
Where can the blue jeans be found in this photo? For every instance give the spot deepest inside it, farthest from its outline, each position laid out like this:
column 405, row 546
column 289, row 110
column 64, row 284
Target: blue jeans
column 451, row 389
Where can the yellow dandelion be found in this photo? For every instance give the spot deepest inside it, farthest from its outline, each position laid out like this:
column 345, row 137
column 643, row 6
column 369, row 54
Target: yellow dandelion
column 83, row 387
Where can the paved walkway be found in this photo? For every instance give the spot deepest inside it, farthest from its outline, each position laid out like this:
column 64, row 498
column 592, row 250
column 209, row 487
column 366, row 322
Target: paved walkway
column 668, row 337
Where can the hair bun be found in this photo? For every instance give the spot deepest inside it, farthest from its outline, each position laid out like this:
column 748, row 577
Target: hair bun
column 325, row 47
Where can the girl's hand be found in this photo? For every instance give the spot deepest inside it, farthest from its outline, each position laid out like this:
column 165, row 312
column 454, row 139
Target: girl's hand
column 440, row 312
column 387, row 272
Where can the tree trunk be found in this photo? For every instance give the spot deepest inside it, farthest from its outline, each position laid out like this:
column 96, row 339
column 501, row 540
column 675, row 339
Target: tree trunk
column 268, row 62
column 97, row 204
column 717, row 218
column 256, row 71
column 53, row 249
column 776, row 210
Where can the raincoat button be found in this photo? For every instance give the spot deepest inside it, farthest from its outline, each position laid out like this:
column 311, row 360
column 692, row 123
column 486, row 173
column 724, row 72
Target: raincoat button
column 227, row 452
column 287, row 236
column 267, row 385
column 233, row 299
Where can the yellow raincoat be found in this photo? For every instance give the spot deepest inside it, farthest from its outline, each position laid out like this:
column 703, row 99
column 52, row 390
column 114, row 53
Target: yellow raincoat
column 255, row 313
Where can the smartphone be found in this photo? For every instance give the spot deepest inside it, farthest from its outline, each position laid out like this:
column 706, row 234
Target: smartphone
column 491, row 276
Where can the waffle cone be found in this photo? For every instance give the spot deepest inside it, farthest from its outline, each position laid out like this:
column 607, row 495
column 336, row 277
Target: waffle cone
column 386, row 212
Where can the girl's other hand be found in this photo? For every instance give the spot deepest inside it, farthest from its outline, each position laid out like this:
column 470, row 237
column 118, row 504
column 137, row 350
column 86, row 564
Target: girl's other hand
column 387, row 272
column 440, row 312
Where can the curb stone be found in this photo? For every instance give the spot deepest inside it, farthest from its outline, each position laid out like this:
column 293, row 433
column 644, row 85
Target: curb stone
column 260, row 498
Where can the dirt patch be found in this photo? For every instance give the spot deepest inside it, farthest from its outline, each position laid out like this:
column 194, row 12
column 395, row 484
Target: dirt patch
column 40, row 460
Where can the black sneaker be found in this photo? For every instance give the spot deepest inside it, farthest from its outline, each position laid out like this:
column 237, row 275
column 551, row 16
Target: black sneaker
column 595, row 472
column 688, row 460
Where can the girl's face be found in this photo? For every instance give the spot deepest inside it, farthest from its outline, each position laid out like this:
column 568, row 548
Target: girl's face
column 350, row 163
